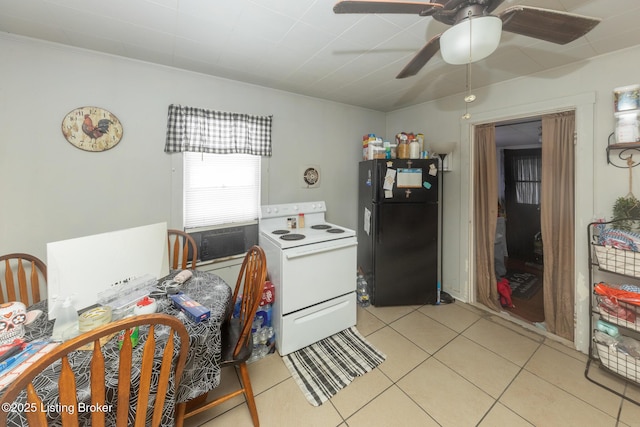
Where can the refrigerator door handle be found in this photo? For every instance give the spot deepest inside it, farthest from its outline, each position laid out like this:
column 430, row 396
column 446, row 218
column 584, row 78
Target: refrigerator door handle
column 294, row 255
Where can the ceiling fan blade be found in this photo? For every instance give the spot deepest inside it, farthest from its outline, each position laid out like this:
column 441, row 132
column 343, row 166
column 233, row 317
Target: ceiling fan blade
column 421, row 58
column 545, row 24
column 389, row 6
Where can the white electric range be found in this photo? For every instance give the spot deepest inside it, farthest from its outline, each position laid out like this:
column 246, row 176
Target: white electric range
column 313, row 270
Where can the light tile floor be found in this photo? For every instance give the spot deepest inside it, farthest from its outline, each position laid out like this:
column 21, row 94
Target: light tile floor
column 447, row 365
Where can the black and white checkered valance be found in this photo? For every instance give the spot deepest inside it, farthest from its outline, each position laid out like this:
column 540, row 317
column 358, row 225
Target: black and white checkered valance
column 207, row 131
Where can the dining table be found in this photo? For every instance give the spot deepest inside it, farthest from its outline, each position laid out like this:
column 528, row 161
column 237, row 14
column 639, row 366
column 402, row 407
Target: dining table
column 202, row 368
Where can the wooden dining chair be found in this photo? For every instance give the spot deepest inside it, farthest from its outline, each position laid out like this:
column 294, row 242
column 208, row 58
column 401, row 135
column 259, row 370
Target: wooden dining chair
column 128, row 394
column 181, row 247
column 25, row 278
column 237, row 341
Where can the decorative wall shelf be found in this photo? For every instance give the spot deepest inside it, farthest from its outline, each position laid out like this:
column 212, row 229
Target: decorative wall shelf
column 623, row 151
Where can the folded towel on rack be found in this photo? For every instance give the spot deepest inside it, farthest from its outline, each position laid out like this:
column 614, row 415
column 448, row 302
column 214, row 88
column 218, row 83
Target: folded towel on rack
column 620, row 239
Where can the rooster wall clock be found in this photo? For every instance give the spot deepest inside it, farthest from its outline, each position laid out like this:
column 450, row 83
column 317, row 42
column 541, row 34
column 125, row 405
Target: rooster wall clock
column 92, row 129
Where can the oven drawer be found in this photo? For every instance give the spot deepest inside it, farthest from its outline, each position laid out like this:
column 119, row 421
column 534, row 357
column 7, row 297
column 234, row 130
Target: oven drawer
column 312, row 324
column 317, row 273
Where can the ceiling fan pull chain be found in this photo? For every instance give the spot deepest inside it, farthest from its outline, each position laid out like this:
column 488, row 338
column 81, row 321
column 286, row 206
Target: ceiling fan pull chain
column 469, row 63
column 470, row 34
column 469, row 97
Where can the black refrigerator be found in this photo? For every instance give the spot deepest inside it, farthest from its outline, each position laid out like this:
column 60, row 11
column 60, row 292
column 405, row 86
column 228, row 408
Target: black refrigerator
column 398, row 230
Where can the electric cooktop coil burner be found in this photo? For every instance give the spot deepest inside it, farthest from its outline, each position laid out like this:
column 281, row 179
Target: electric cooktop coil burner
column 292, row 236
column 321, row 227
column 335, row 230
column 280, row 232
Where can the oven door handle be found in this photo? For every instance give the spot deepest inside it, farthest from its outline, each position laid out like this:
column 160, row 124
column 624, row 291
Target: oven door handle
column 318, row 251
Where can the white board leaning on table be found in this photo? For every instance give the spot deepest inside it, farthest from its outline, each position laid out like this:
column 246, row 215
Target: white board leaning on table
column 83, row 267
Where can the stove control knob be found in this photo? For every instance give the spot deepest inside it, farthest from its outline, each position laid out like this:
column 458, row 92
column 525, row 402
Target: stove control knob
column 295, row 207
column 275, row 210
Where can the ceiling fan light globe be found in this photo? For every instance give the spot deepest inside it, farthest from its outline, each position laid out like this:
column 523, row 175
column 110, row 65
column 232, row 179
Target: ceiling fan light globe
column 485, row 38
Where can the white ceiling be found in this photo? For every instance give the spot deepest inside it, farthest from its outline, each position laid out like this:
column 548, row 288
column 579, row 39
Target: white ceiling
column 301, row 46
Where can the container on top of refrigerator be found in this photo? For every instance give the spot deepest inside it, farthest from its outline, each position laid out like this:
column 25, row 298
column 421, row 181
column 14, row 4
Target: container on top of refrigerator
column 365, row 147
column 403, row 146
column 387, row 149
column 373, row 147
column 420, row 138
column 367, row 151
column 376, row 150
column 414, row 149
column 394, row 150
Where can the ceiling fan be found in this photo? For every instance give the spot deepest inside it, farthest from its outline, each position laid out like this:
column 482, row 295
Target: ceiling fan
column 475, row 33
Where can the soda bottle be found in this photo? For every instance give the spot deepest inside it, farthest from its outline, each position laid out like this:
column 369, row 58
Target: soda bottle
column 362, row 292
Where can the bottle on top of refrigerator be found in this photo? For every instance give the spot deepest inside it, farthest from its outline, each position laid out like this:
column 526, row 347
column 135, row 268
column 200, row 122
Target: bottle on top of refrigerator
column 420, row 138
column 414, row 149
column 403, row 147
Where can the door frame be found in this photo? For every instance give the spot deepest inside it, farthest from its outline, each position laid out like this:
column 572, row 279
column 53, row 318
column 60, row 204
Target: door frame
column 584, row 105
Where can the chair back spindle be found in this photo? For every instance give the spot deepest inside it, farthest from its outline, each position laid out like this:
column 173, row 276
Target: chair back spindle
column 25, row 278
column 181, row 247
column 250, row 282
column 170, row 367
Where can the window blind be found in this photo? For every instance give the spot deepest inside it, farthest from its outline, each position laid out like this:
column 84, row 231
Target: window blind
column 220, row 189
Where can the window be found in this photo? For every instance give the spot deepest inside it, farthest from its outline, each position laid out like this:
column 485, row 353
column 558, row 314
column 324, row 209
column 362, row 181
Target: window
column 221, row 159
column 527, row 172
column 220, row 189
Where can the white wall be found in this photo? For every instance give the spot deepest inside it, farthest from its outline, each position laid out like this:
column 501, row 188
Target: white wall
column 587, row 87
column 53, row 191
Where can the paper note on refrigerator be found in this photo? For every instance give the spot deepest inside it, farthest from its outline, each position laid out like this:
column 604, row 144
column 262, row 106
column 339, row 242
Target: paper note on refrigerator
column 367, row 221
column 389, row 179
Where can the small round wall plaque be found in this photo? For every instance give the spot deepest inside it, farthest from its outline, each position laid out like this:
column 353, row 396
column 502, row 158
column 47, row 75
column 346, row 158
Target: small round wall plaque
column 92, row 129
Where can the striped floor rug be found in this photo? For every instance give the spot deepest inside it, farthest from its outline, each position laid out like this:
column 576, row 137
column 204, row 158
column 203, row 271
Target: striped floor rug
column 326, row 367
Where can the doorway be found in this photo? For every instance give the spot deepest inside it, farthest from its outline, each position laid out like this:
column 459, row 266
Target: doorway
column 567, row 121
column 519, row 162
